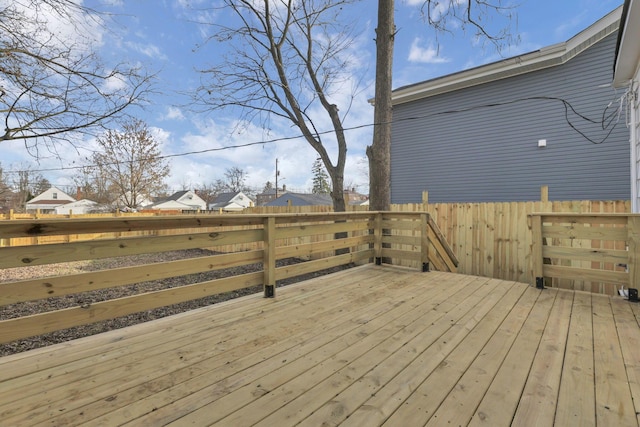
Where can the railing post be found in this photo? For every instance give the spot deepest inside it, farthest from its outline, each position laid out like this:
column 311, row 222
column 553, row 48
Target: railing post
column 269, row 259
column 633, row 241
column 536, row 251
column 377, row 238
column 544, row 194
column 424, row 241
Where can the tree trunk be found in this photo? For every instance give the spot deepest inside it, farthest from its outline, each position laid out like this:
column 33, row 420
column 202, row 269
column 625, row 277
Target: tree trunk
column 379, row 152
column 337, row 195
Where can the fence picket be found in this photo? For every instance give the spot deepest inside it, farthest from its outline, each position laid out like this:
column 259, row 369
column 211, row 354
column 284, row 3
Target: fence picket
column 489, row 239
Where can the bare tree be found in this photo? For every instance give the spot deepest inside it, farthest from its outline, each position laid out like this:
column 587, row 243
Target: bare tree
column 6, row 193
column 52, row 84
column 24, row 184
column 92, row 183
column 235, row 179
column 442, row 15
column 473, row 16
column 131, row 162
column 289, row 60
column 208, row 192
column 41, row 185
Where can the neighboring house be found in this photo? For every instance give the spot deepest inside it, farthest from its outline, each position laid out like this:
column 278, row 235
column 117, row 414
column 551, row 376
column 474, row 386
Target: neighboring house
column 231, row 202
column 269, row 195
column 48, row 201
column 181, row 200
column 352, row 197
column 83, row 206
column 500, row 131
column 168, row 205
column 627, row 76
column 299, row 199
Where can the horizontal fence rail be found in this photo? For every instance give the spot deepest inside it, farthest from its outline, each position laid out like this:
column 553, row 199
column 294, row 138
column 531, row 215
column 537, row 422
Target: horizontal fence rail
column 319, row 241
column 591, row 252
column 491, row 239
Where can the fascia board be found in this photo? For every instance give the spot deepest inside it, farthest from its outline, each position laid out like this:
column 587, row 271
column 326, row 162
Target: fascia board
column 546, row 57
column 628, row 59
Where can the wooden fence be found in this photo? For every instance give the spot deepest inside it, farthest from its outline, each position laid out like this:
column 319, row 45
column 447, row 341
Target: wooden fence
column 495, row 239
column 489, row 239
column 342, row 238
column 590, row 252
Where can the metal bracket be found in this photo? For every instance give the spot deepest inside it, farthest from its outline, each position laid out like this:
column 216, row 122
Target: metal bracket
column 378, row 260
column 269, row 291
column 540, row 282
column 425, row 267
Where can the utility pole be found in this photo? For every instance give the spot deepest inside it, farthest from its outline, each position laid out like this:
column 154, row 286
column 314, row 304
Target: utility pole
column 277, row 173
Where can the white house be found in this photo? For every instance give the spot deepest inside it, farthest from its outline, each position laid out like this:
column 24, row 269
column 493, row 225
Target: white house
column 231, row 202
column 78, row 207
column 626, row 75
column 181, row 200
column 49, row 200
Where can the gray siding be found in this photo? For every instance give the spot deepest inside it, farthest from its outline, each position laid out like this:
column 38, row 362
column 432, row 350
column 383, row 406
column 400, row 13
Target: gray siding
column 491, row 153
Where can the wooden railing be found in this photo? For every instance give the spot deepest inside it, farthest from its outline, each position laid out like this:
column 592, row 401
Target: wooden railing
column 591, row 252
column 412, row 236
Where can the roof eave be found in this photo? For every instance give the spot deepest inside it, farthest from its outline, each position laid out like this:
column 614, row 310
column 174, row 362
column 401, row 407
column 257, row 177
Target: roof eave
column 628, row 48
column 544, row 58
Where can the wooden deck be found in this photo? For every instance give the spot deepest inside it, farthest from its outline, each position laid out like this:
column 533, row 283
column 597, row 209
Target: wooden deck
column 367, row 346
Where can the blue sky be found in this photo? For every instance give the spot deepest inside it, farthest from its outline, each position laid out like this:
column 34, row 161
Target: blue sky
column 162, row 35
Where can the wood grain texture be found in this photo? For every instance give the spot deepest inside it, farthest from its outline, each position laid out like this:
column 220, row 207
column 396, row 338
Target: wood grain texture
column 368, row 346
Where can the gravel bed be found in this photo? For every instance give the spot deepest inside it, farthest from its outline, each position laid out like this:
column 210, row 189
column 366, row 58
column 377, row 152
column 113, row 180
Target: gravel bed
column 57, row 303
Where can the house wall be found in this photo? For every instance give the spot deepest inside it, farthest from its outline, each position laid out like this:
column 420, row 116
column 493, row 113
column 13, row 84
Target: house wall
column 634, row 125
column 53, row 193
column 75, row 208
column 460, row 153
column 194, row 201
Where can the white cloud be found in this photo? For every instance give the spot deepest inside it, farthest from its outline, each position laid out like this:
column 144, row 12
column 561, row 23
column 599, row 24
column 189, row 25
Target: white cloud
column 75, row 27
column 173, row 113
column 438, row 8
column 186, row 4
column 424, row 55
column 113, row 3
column 114, row 83
column 295, row 157
column 150, row 50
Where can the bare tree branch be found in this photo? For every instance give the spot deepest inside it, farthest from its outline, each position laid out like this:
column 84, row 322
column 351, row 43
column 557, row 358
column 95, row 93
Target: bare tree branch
column 446, row 15
column 290, row 60
column 52, row 84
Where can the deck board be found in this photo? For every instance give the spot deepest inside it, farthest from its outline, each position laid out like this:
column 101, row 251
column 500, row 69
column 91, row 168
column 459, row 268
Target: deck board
column 364, row 347
column 614, row 405
column 576, row 395
column 538, row 401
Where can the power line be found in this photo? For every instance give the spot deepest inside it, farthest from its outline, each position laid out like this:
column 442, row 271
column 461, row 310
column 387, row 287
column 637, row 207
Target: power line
column 605, row 123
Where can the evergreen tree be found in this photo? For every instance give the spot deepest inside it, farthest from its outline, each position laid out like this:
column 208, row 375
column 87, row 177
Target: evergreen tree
column 320, row 178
